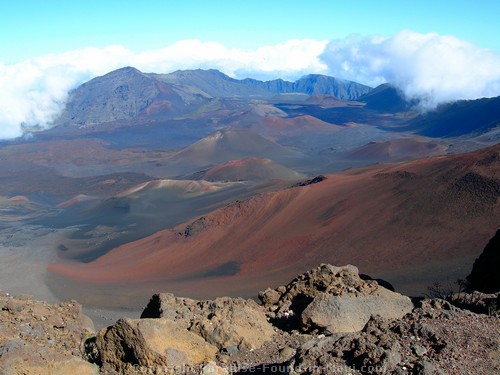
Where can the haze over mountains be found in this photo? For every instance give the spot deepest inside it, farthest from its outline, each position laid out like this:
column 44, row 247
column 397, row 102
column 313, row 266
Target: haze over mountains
column 195, row 181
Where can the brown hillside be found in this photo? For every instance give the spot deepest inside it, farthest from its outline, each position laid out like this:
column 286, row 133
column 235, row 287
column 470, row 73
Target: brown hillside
column 226, row 145
column 411, row 223
column 251, row 168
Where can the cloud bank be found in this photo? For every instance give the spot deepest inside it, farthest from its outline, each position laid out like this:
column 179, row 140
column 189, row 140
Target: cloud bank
column 430, row 66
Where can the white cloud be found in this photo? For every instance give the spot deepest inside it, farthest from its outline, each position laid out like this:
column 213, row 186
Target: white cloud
column 431, row 67
column 438, row 68
column 34, row 91
column 289, row 59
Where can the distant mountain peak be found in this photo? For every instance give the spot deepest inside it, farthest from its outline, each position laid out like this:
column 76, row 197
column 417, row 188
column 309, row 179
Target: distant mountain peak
column 127, row 93
column 387, row 98
column 128, row 69
column 125, row 71
column 192, row 73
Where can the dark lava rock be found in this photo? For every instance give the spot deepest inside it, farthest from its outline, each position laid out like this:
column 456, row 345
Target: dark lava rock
column 311, row 181
column 485, row 275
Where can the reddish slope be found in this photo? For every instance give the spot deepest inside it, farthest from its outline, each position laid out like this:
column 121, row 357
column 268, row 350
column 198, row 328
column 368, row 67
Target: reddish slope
column 232, row 144
column 248, row 169
column 412, row 223
column 294, row 126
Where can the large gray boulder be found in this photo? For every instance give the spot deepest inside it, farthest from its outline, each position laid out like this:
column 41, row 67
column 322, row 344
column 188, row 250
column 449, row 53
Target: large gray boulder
column 350, row 314
column 334, row 299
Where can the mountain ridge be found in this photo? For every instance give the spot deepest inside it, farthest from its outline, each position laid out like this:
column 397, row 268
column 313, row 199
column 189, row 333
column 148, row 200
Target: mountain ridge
column 128, row 93
column 310, row 84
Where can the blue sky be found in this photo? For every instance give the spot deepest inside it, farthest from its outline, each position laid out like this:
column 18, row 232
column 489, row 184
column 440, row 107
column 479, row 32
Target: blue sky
column 440, row 50
column 34, row 27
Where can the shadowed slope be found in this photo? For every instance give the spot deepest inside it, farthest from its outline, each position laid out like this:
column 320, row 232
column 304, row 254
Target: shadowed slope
column 387, row 98
column 139, row 211
column 411, row 223
column 458, row 118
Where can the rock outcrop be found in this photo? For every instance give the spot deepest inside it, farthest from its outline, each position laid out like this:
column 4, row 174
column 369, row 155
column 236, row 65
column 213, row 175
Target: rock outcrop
column 332, row 299
column 152, row 343
column 328, row 320
column 224, row 322
column 176, row 332
column 39, row 338
column 485, row 275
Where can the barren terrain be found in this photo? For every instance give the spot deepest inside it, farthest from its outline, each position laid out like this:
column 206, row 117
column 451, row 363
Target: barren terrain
column 412, row 224
column 115, row 195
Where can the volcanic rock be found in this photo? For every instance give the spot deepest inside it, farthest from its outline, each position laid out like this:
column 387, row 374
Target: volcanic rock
column 310, row 181
column 33, row 360
column 175, row 331
column 426, row 368
column 480, row 303
column 332, row 298
column 224, row 322
column 211, row 368
column 151, row 343
column 350, row 314
column 485, row 275
column 182, row 335
column 425, row 341
column 39, row 338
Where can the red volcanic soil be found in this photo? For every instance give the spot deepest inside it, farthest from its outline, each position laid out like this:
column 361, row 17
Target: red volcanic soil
column 411, row 223
column 249, row 169
column 225, row 145
column 296, row 125
column 158, row 106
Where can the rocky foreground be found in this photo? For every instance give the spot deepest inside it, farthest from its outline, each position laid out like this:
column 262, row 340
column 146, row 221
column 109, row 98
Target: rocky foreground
column 328, row 320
